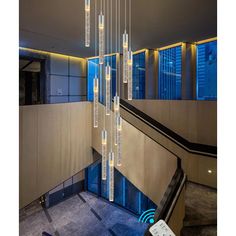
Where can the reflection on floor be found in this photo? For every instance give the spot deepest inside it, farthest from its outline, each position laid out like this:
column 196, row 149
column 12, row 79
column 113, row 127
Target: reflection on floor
column 201, row 211
column 80, row 215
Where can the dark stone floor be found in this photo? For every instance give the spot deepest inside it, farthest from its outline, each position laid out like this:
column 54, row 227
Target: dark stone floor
column 200, row 211
column 80, row 215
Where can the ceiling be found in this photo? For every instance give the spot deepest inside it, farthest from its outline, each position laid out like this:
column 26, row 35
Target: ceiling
column 58, row 25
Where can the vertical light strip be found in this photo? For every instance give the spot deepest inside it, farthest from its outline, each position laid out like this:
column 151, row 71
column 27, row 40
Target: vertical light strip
column 101, row 38
column 130, row 75
column 87, row 23
column 125, row 57
column 111, row 176
column 104, row 154
column 130, row 60
column 108, row 87
column 95, row 102
column 119, row 133
column 104, row 132
column 116, row 115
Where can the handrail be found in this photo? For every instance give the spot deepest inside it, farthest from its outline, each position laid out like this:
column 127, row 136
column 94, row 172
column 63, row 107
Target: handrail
column 170, row 198
column 196, row 148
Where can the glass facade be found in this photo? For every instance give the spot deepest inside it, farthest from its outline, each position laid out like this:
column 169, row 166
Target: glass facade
column 207, row 71
column 139, row 70
column 169, row 74
column 126, row 194
column 92, row 69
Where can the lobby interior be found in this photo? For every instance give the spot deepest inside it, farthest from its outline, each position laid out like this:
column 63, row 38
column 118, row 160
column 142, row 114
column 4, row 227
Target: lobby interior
column 165, row 154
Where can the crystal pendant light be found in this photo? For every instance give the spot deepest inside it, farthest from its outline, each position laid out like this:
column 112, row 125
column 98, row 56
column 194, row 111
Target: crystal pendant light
column 119, row 129
column 111, row 176
column 116, row 114
column 95, row 102
column 104, row 154
column 87, row 23
column 130, row 75
column 101, row 38
column 125, row 57
column 108, row 88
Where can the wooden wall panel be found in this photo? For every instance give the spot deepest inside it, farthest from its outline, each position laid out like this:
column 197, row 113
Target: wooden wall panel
column 28, row 154
column 195, row 166
column 178, row 214
column 159, row 168
column 55, row 143
column 49, row 149
column 196, row 121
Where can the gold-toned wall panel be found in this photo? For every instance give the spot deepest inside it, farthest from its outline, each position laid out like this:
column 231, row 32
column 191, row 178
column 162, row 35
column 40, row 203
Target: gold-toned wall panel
column 187, row 118
column 178, row 214
column 195, row 166
column 28, row 155
column 55, row 143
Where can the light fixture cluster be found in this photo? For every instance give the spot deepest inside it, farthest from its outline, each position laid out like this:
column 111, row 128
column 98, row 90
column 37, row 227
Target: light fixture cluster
column 111, row 152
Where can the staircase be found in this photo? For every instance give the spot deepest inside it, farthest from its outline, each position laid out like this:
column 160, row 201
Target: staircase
column 201, row 211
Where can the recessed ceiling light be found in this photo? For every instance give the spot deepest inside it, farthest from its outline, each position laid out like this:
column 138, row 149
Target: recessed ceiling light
column 209, row 171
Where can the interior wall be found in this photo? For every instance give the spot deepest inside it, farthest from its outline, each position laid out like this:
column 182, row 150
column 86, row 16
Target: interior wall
column 148, row 165
column 195, row 121
column 55, row 143
column 195, row 166
column 66, row 79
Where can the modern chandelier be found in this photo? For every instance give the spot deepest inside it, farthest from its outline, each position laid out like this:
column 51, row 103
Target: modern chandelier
column 111, row 152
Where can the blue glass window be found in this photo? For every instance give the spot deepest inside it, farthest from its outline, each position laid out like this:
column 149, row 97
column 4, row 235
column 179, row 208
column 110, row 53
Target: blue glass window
column 139, row 75
column 169, row 74
column 92, row 69
column 126, row 194
column 207, row 71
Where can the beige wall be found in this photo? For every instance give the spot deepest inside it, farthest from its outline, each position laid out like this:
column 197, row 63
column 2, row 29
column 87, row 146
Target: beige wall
column 55, row 143
column 196, row 121
column 149, row 166
column 178, row 214
column 195, row 166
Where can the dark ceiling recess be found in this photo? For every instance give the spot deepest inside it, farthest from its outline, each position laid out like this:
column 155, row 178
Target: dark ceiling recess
column 155, row 23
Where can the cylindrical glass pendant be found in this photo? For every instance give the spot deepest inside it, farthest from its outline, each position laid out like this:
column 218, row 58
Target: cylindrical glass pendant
column 95, row 102
column 101, row 38
column 104, row 154
column 119, row 129
column 111, row 176
column 125, row 57
column 116, row 114
column 130, row 75
column 116, row 103
column 119, row 123
column 119, row 157
column 87, row 23
column 108, row 88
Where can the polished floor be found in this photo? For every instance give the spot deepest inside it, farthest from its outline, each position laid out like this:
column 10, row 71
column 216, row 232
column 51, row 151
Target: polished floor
column 80, row 215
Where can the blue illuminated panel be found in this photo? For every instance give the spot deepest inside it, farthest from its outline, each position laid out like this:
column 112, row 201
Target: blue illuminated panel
column 92, row 69
column 207, row 71
column 126, row 194
column 139, row 75
column 169, row 75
